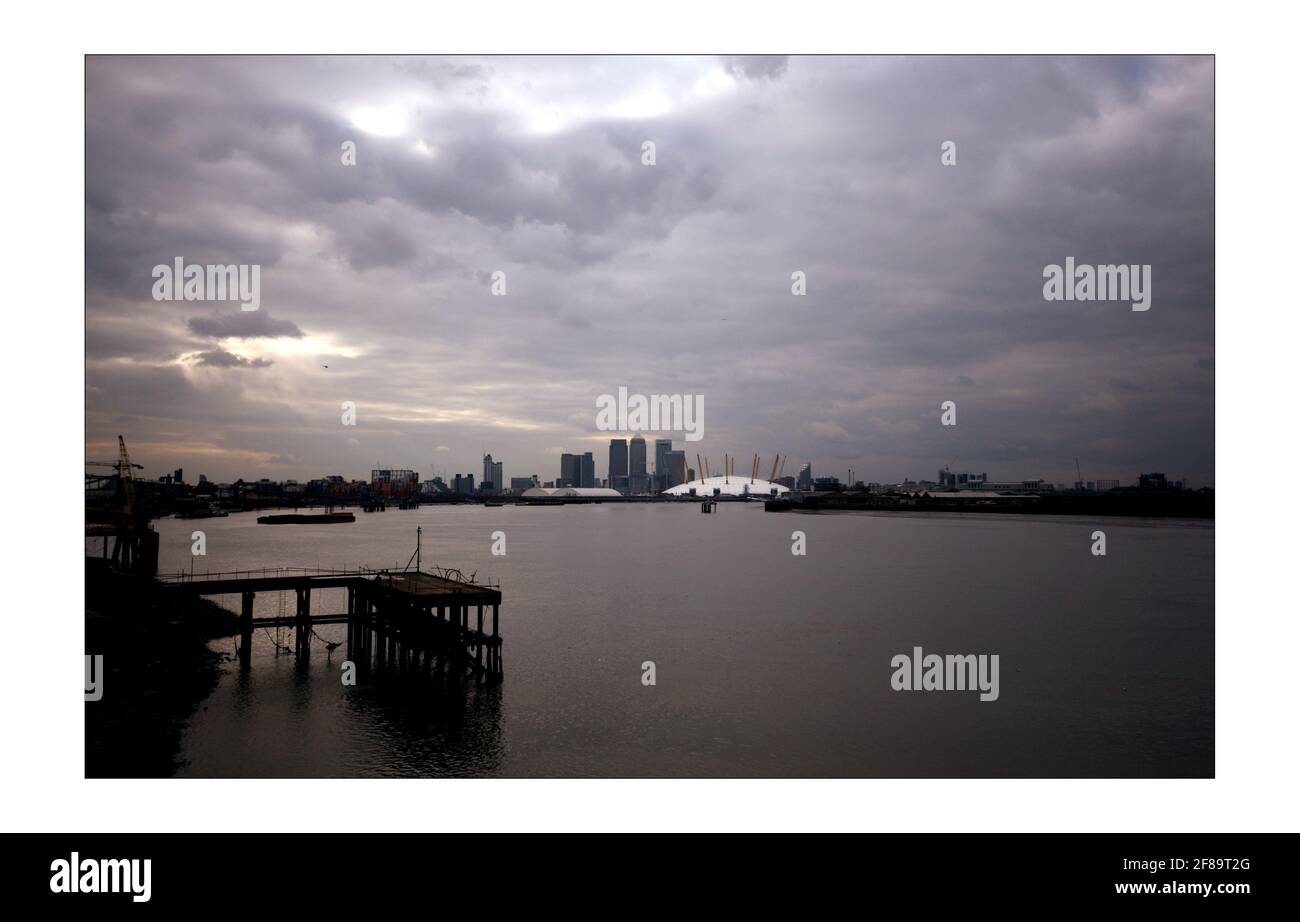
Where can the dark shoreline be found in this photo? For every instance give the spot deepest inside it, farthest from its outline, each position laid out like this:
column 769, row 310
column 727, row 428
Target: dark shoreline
column 157, row 671
column 1153, row 505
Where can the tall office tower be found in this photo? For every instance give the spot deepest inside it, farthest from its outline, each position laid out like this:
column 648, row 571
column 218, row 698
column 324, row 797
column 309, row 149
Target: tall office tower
column 674, row 469
column 569, row 473
column 637, row 482
column 587, row 470
column 618, row 465
column 805, row 477
column 492, row 473
column 662, row 447
column 636, row 456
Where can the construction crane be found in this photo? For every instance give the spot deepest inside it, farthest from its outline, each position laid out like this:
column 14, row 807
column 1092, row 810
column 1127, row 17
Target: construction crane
column 113, row 464
column 128, row 478
column 123, row 467
column 135, row 544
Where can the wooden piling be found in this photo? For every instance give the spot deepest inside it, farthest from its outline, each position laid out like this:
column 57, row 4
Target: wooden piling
column 246, row 627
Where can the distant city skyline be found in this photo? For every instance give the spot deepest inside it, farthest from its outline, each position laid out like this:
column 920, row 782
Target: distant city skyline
column 924, row 281
column 582, row 471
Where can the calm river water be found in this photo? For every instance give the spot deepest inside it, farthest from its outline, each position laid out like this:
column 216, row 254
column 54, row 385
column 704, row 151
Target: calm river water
column 767, row 663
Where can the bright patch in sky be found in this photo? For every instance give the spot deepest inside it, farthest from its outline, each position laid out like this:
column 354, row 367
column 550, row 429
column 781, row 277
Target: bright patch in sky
column 385, row 121
column 290, row 346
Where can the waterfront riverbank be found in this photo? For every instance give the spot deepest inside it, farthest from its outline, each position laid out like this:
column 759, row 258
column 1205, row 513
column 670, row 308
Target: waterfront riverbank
column 1184, row 504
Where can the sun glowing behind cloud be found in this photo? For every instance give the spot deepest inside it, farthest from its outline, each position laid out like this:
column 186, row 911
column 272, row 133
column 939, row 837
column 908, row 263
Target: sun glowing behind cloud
column 385, row 121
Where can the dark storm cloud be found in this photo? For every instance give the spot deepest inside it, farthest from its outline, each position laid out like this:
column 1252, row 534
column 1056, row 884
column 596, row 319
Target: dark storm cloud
column 243, row 325
column 924, row 281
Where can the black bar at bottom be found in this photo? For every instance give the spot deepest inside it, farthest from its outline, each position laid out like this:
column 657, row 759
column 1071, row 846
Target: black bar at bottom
column 245, row 873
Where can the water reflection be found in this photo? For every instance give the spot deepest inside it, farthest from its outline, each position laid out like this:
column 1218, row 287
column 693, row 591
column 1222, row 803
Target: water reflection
column 284, row 715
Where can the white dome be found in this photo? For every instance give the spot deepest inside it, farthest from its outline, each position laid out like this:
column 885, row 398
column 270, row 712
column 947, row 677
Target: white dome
column 728, row 486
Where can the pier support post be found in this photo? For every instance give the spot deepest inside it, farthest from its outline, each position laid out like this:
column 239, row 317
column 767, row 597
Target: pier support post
column 478, row 640
column 496, row 644
column 302, row 626
column 246, row 627
column 352, row 621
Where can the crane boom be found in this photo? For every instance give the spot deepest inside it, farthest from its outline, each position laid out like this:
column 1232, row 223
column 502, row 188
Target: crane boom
column 128, row 479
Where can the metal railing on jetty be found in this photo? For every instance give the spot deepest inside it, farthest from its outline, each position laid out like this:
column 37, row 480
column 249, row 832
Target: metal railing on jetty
column 452, row 574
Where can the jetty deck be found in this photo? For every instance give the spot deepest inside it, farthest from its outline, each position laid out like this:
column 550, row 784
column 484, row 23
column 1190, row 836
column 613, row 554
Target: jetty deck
column 406, row 616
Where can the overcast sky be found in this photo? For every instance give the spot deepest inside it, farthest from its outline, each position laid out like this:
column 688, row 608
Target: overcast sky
column 924, row 280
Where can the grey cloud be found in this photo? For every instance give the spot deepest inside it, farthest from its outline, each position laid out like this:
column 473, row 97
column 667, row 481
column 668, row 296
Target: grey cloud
column 237, row 324
column 756, row 66
column 672, row 278
column 220, row 358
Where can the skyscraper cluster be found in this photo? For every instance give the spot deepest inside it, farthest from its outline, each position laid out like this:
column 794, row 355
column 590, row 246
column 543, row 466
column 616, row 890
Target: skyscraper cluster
column 628, row 473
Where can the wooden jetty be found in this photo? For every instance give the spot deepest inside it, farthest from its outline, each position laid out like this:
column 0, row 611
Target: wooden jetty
column 402, row 616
